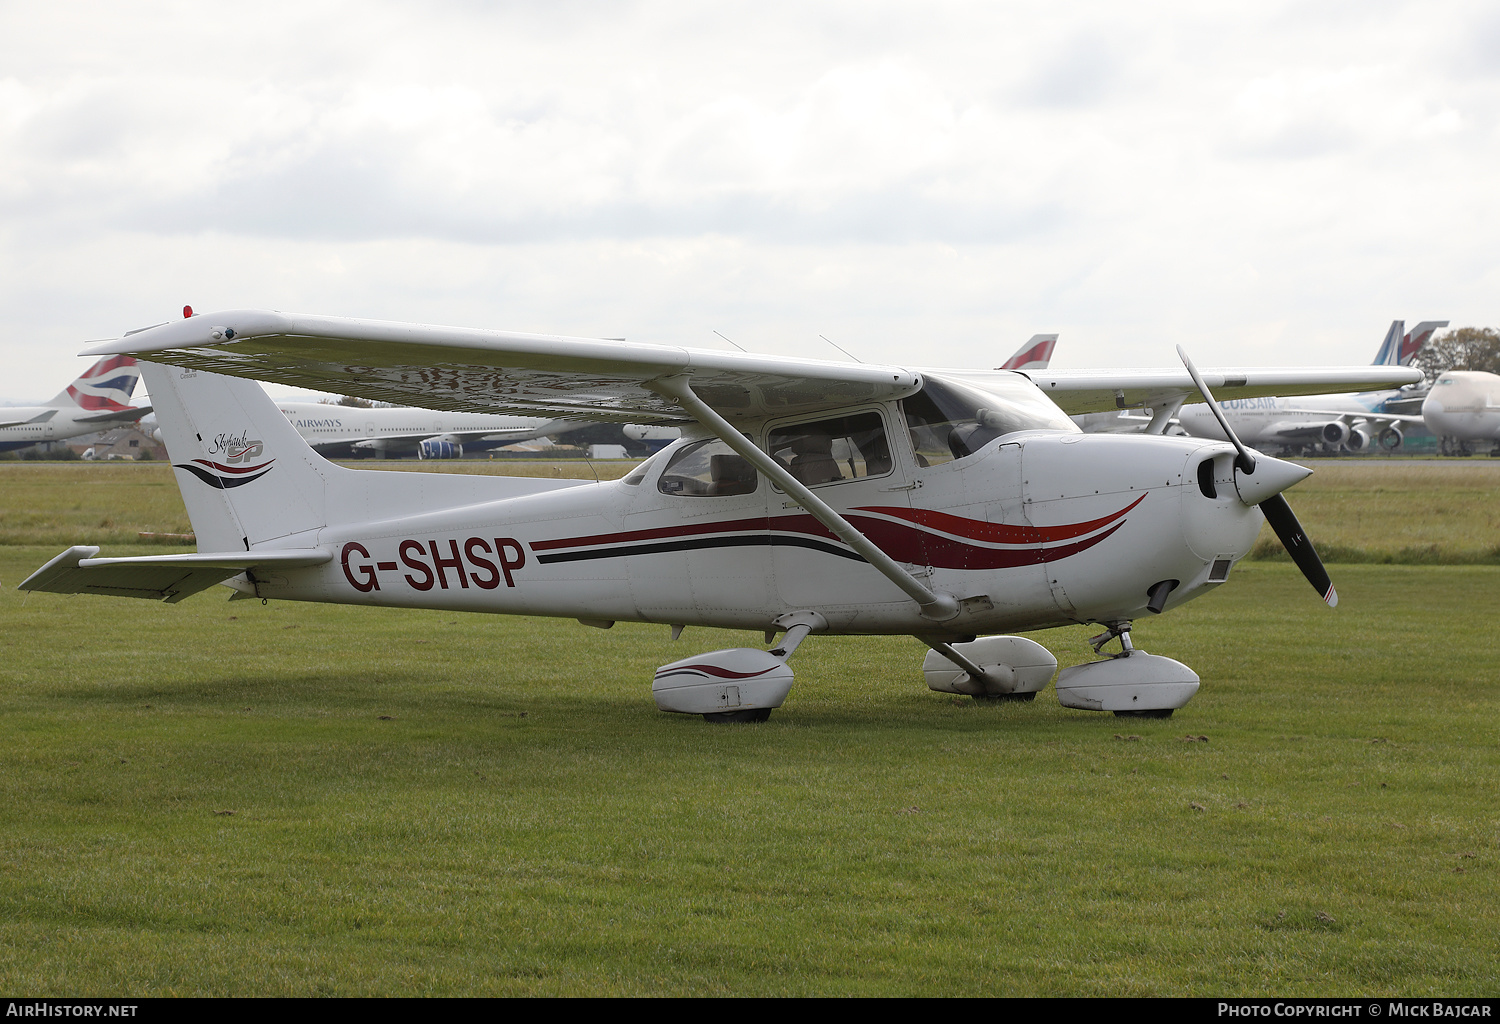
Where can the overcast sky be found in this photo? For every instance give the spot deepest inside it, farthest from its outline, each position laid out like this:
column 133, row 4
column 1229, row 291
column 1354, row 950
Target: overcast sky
column 926, row 183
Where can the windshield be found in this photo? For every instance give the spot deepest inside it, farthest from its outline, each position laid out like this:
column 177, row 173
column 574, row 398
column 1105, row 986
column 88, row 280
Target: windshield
column 949, row 420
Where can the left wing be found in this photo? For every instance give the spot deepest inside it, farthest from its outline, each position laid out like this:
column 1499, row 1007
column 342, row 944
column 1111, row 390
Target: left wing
column 464, row 369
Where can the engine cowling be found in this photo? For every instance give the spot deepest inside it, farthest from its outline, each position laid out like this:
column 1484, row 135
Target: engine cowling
column 1391, row 438
column 1358, row 441
column 438, row 448
column 1335, row 433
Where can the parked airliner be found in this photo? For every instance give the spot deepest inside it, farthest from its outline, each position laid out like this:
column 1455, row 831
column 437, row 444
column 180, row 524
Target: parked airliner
column 95, row 401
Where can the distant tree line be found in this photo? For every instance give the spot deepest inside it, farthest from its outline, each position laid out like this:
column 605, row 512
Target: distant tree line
column 1468, row 348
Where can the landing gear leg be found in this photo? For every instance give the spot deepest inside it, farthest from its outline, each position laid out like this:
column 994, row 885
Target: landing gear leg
column 1132, row 683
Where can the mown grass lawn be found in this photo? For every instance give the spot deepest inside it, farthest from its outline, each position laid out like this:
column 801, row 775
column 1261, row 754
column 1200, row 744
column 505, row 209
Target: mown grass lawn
column 433, row 803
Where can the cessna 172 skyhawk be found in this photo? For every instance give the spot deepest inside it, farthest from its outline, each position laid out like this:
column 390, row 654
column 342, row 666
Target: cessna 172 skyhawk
column 804, row 497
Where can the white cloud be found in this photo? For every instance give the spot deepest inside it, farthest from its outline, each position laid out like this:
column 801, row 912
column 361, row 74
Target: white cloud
column 917, row 180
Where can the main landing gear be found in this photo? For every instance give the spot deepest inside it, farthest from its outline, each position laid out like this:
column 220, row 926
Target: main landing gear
column 1132, row 683
column 741, row 684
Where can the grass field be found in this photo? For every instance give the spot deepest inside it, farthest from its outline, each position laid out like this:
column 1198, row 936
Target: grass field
column 216, row 798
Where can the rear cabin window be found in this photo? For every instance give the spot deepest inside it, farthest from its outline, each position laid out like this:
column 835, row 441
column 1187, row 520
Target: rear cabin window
column 832, row 451
column 708, row 469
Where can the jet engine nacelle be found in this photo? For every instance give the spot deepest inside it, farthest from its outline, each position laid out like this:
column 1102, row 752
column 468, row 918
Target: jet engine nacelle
column 1391, row 438
column 1013, row 664
column 1135, row 683
column 1335, row 433
column 1358, row 441
column 741, row 679
column 439, row 448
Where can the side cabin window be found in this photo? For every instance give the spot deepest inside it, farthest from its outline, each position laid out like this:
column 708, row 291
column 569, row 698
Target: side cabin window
column 832, row 451
column 708, row 469
column 948, row 421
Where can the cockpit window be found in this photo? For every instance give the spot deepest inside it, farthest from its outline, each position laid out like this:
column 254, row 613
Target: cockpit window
column 948, row 420
column 832, row 451
column 708, row 469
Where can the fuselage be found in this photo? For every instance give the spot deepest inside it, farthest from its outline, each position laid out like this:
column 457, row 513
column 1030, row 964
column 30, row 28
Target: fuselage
column 1286, row 421
column 50, row 423
column 1464, row 404
column 1035, row 528
column 404, row 428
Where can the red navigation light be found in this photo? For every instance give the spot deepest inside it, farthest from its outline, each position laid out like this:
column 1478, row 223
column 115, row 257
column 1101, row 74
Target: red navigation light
column 187, row 311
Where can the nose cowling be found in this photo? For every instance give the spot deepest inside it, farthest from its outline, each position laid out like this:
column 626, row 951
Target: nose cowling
column 1269, row 477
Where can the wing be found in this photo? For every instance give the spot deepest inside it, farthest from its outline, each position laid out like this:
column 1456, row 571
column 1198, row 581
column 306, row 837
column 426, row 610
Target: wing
column 487, row 371
column 1079, row 391
column 471, row 370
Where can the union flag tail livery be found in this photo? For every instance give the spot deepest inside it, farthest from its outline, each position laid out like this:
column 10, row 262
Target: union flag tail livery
column 104, row 387
column 98, row 400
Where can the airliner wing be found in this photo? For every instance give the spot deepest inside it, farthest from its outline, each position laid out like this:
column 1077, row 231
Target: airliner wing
column 1079, row 391
column 489, row 371
column 1364, row 417
column 130, row 415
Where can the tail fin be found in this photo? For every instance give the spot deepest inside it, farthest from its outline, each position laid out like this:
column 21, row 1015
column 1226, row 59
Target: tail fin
column 1419, row 336
column 246, row 475
column 104, row 387
column 1389, row 353
column 1034, row 355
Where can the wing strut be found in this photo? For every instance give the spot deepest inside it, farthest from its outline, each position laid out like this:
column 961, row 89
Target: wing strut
column 935, row 606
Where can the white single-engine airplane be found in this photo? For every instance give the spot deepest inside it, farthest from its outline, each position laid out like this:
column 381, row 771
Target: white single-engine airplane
column 804, row 497
column 97, row 400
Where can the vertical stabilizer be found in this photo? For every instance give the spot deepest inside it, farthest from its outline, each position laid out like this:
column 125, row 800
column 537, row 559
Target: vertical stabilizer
column 247, row 476
column 1419, row 336
column 1034, row 355
column 104, row 387
column 1390, row 351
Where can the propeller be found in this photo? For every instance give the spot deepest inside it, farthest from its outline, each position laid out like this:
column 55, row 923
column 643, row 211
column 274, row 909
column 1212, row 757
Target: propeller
column 1260, row 481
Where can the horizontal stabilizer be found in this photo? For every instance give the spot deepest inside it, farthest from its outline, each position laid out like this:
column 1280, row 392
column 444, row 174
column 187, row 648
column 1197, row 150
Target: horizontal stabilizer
column 157, row 577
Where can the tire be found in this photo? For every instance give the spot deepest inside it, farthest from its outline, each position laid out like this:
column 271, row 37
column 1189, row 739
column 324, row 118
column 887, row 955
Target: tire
column 734, row 717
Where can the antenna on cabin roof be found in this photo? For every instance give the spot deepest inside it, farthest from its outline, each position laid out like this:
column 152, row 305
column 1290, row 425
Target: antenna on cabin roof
column 851, row 355
column 729, row 340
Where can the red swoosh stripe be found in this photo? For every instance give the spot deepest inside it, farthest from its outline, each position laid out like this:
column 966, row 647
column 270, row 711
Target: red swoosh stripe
column 919, row 544
column 233, row 469
column 715, row 670
column 997, row 533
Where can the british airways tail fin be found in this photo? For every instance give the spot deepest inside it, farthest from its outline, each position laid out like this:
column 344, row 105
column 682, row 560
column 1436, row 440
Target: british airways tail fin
column 104, row 387
column 1034, row 355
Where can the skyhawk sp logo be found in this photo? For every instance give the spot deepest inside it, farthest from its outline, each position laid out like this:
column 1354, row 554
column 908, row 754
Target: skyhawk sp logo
column 237, row 451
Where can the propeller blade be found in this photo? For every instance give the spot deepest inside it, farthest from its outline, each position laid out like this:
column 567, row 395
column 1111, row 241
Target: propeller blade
column 1245, row 461
column 1279, row 514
